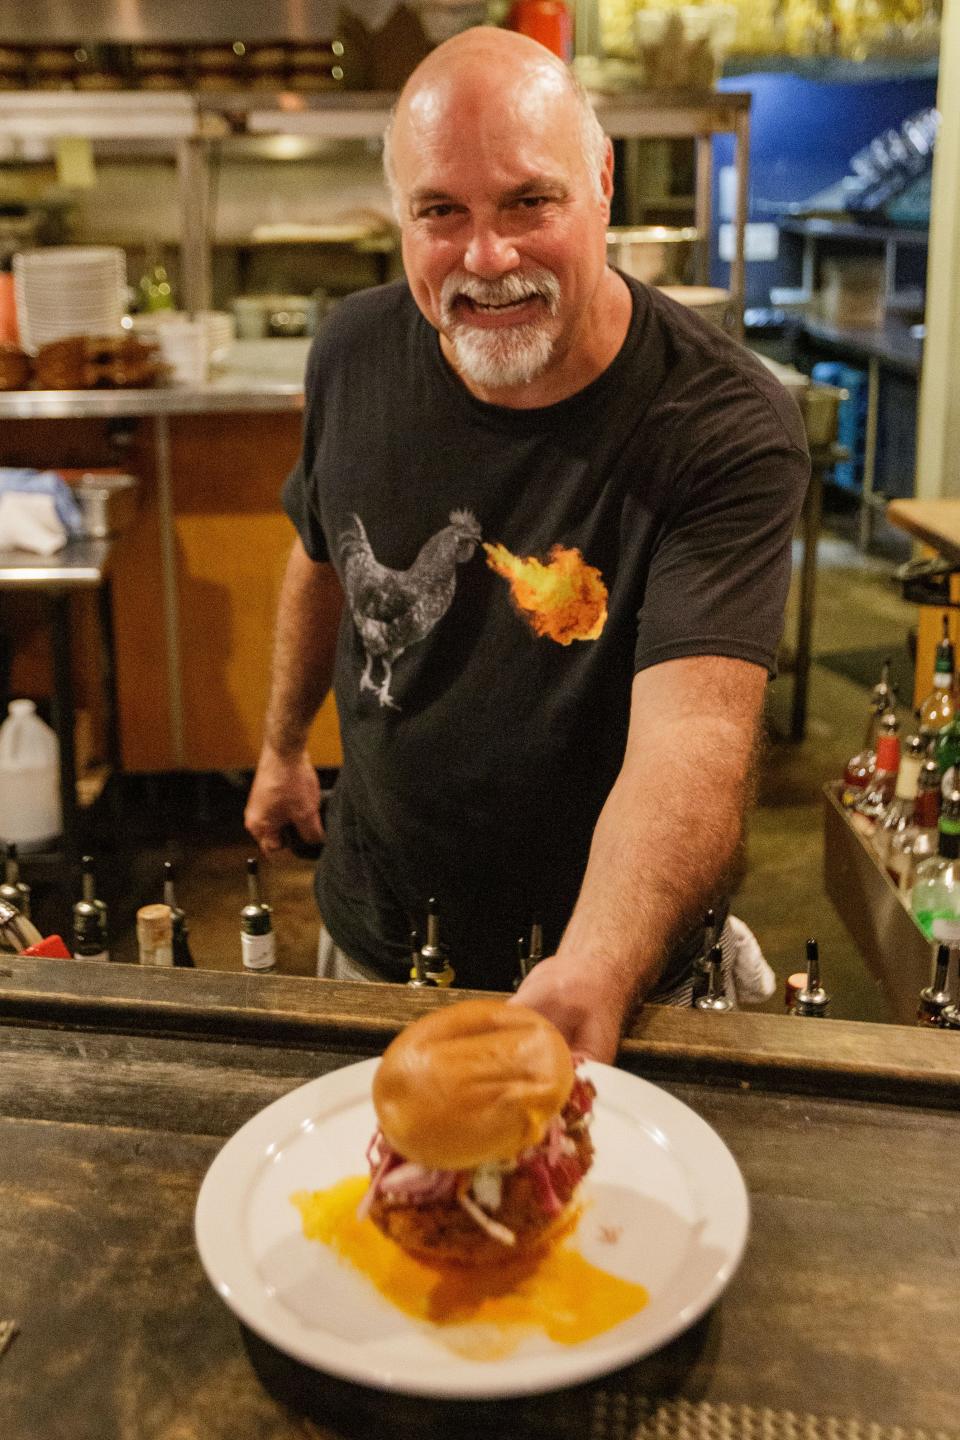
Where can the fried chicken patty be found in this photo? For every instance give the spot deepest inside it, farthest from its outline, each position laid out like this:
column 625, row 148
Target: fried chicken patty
column 445, row 1231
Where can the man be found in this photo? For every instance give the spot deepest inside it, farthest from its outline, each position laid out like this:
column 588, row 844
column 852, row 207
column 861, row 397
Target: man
column 544, row 520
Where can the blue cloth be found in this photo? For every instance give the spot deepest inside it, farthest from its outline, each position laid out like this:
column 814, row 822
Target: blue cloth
column 45, row 482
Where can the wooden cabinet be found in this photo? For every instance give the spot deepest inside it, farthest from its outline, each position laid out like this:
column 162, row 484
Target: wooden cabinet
column 195, row 581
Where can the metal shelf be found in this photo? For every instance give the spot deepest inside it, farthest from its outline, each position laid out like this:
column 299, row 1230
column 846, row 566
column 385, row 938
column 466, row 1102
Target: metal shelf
column 835, row 69
column 192, row 120
column 353, row 114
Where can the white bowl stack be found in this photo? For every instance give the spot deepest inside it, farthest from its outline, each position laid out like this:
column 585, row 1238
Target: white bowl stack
column 190, row 346
column 69, row 290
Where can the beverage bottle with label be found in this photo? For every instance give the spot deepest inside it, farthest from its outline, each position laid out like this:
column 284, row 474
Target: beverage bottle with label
column 935, row 899
column 899, row 814
column 918, row 841
column 940, row 706
column 860, row 767
column 258, row 946
column 871, row 805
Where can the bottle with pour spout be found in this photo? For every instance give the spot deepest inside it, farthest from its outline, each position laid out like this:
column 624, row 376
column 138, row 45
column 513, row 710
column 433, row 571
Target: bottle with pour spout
column 860, row 767
column 15, row 891
column 940, row 706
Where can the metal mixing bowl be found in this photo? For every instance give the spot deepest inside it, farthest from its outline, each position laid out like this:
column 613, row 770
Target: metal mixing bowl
column 655, row 254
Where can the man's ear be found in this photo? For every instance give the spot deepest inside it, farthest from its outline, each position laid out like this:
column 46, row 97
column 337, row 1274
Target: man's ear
column 606, row 176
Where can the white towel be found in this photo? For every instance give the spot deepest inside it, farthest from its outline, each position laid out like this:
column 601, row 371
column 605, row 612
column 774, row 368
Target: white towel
column 753, row 980
column 30, row 522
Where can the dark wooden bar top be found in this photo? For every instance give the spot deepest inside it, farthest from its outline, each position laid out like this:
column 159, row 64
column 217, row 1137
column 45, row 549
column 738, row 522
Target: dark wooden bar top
column 118, row 1085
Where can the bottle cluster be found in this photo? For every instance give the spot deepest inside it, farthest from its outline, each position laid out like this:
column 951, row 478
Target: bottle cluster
column 904, row 796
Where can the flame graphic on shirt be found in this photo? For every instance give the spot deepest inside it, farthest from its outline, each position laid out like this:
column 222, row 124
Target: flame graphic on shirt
column 564, row 599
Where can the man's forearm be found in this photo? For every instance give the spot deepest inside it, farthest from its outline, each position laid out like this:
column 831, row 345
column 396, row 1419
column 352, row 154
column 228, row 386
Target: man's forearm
column 308, row 618
column 665, row 845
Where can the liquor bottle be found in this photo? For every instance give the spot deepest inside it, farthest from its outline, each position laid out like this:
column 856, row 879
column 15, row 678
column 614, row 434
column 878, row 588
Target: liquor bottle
column 812, row 1001
column 15, row 891
column 155, row 935
column 258, row 945
column 860, row 767
column 935, row 898
column 935, row 997
column 178, row 919
column 714, row 999
column 419, row 979
column 434, row 958
column 917, row 842
column 940, row 706
column 531, row 953
column 899, row 814
column 88, row 883
column 870, row 806
column 947, row 753
column 90, row 940
column 701, row 965
column 20, row 935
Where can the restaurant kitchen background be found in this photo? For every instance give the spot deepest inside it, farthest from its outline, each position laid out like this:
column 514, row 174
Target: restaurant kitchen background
column 233, row 163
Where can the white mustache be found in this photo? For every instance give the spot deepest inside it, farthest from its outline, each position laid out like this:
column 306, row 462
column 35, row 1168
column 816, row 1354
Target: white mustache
column 538, row 283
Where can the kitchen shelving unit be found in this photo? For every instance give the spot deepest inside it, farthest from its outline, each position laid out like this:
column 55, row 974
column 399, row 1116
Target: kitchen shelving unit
column 193, row 122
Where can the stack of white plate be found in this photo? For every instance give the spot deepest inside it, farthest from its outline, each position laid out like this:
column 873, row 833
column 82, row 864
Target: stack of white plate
column 69, row 290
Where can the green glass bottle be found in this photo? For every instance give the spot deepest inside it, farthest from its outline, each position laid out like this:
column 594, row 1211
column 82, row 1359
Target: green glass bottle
column 935, row 899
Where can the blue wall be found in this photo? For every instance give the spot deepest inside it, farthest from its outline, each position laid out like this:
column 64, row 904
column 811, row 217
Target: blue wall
column 802, row 135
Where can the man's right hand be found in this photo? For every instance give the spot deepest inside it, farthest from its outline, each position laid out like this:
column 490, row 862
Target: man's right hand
column 285, row 791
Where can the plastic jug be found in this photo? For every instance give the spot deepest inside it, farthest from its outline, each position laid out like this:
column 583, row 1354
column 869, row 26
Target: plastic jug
column 30, row 812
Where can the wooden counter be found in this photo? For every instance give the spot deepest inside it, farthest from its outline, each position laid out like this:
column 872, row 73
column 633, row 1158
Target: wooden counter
column 118, row 1086
column 937, row 524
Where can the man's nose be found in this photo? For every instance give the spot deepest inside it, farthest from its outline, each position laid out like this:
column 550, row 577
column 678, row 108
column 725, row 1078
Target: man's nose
column 490, row 253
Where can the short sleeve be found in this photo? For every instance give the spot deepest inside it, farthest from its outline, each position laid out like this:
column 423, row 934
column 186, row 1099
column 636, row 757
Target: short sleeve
column 299, row 496
column 719, row 576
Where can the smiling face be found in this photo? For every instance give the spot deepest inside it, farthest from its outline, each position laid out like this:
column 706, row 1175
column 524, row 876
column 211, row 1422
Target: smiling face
column 503, row 220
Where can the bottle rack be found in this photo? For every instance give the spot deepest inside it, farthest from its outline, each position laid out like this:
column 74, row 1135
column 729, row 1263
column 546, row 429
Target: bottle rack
column 871, row 907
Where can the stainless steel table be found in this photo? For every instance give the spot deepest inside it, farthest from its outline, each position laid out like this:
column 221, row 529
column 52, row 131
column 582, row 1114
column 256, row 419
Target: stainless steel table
column 80, row 566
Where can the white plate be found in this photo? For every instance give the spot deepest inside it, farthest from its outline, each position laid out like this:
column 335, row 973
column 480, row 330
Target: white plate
column 662, row 1179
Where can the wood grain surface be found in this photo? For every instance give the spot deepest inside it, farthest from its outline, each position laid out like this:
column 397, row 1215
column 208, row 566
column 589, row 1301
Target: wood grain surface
column 847, row 1303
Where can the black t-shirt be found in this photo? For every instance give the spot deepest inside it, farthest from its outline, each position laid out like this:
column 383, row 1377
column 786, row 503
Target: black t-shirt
column 507, row 572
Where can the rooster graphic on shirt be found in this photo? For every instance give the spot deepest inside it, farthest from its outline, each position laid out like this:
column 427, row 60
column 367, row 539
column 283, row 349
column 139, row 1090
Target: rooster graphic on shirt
column 393, row 609
column 563, row 599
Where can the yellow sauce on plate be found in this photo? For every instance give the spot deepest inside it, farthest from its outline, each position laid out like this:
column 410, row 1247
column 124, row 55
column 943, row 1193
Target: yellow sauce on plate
column 483, row 1313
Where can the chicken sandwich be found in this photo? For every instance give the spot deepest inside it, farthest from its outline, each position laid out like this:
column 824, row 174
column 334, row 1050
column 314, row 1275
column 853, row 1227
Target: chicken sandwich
column 483, row 1134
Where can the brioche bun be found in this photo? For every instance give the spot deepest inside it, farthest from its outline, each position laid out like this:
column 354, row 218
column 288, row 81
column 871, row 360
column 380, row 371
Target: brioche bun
column 472, row 1082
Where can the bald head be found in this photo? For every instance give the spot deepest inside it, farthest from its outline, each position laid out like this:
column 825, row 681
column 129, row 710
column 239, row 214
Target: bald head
column 529, row 86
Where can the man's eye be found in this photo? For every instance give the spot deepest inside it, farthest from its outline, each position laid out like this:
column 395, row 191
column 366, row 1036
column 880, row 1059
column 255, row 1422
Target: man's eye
column 435, row 212
column 532, row 202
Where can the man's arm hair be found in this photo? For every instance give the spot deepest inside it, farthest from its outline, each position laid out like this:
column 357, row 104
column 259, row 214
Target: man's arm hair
column 308, row 617
column 670, row 834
